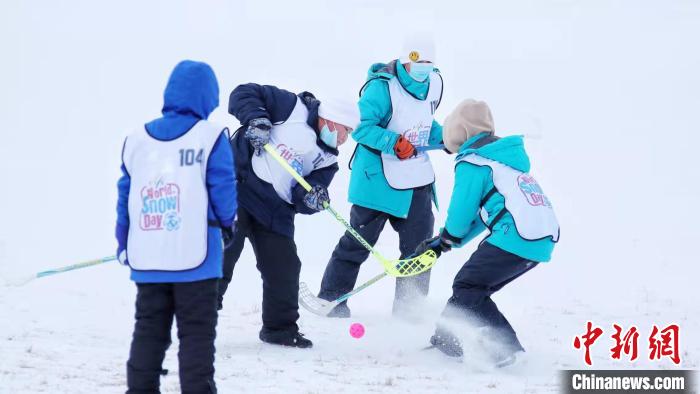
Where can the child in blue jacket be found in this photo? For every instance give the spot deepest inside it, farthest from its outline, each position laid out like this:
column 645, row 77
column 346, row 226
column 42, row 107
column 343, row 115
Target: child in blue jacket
column 493, row 190
column 176, row 196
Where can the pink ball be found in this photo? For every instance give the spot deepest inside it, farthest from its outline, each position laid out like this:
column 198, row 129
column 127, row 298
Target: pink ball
column 357, row 330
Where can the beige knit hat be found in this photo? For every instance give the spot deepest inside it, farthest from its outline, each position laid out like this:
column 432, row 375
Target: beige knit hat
column 468, row 119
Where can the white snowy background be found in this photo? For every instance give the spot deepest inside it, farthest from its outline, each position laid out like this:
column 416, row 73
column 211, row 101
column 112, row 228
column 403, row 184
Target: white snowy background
column 607, row 93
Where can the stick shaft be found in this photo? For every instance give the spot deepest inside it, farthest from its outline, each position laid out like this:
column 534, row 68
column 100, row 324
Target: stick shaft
column 430, row 147
column 72, row 267
column 330, row 209
column 362, row 287
column 287, row 167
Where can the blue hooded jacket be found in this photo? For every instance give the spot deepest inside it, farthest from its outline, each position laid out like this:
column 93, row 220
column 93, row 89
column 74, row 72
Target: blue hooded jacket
column 191, row 95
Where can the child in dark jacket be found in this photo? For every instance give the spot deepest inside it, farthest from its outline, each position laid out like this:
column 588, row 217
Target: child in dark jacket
column 176, row 196
column 306, row 133
column 493, row 190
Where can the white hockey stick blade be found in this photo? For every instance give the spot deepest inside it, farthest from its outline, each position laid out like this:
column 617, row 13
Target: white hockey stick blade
column 314, row 304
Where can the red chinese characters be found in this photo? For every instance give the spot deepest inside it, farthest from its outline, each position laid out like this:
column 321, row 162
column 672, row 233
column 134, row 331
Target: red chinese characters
column 589, row 339
column 667, row 346
column 662, row 342
column 626, row 344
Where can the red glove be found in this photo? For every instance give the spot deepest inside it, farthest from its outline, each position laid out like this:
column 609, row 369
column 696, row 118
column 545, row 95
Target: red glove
column 404, row 149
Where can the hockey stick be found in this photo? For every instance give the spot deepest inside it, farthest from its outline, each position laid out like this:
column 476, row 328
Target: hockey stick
column 84, row 264
column 322, row 307
column 399, row 268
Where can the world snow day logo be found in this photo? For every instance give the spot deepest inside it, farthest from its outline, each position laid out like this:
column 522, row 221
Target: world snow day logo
column 418, row 135
column 533, row 192
column 160, row 206
column 292, row 157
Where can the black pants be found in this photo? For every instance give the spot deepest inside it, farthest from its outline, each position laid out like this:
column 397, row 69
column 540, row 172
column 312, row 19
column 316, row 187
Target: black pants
column 193, row 305
column 344, row 266
column 487, row 271
column 279, row 267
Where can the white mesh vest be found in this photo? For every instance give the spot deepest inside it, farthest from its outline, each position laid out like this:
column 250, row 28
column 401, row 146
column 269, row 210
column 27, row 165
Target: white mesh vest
column 524, row 199
column 295, row 141
column 168, row 198
column 413, row 119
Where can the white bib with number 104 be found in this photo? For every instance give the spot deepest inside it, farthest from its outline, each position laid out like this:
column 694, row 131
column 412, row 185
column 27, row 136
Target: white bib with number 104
column 168, row 198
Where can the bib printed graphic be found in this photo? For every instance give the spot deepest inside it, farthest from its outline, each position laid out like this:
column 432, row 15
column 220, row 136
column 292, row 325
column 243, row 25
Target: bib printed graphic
column 524, row 199
column 295, row 160
column 419, row 134
column 161, row 207
column 296, row 143
column 533, row 192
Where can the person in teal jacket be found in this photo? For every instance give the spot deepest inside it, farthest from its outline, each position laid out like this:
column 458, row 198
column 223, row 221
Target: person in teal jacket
column 392, row 178
column 493, row 190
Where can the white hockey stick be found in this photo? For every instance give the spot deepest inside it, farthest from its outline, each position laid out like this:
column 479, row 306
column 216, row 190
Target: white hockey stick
column 321, row 307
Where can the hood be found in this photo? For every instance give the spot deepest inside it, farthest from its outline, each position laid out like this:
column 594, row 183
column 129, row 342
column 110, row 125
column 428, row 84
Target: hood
column 395, row 69
column 382, row 70
column 312, row 104
column 469, row 119
column 192, row 89
column 508, row 150
column 191, row 95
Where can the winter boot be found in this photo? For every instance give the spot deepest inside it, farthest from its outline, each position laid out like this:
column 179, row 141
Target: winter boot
column 340, row 311
column 447, row 343
column 502, row 349
column 505, row 360
column 285, row 338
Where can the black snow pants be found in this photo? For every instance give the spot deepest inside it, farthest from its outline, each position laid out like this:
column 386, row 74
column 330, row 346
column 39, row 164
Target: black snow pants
column 487, row 271
column 344, row 266
column 279, row 267
column 193, row 305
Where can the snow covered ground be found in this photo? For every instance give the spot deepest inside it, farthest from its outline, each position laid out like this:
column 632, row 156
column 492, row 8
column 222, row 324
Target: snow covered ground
column 606, row 93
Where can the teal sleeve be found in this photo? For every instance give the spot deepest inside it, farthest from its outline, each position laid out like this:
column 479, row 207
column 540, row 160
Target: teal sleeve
column 435, row 134
column 477, row 227
column 463, row 214
column 375, row 110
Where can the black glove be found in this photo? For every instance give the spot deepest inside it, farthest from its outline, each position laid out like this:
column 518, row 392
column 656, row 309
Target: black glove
column 438, row 244
column 227, row 235
column 258, row 133
column 317, row 198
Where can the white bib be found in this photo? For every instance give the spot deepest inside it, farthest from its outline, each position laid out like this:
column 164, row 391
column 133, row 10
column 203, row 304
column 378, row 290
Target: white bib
column 295, row 141
column 168, row 198
column 413, row 119
column 524, row 199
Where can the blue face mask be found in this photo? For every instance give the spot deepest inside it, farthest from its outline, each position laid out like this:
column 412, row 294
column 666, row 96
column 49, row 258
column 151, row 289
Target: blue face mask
column 329, row 137
column 420, row 71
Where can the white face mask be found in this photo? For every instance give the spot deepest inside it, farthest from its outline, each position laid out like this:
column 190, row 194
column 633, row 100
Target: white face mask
column 328, row 136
